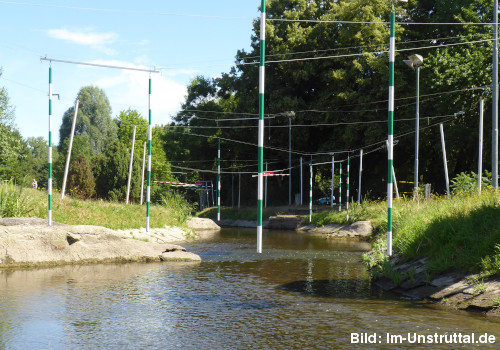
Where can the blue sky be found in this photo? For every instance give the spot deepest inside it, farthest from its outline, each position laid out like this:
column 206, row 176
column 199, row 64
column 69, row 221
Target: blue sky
column 187, row 38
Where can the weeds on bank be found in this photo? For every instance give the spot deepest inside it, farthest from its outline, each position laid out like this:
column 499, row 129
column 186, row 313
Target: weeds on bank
column 16, row 201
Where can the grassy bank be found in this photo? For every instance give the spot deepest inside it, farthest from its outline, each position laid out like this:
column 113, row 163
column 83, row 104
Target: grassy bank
column 26, row 202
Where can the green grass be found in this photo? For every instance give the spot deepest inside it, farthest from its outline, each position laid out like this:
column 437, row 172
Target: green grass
column 114, row 215
column 461, row 233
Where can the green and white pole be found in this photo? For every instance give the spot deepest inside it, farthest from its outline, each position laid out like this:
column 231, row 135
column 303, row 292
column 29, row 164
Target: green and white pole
column 218, row 179
column 49, row 184
column 392, row 49
column 260, row 177
column 340, row 187
column 148, row 173
column 310, row 191
column 332, row 187
column 347, row 188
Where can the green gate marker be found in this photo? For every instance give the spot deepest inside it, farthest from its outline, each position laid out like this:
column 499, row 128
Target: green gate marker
column 218, row 179
column 150, row 132
column 261, row 123
column 340, row 187
column 49, row 185
column 390, row 132
column 347, row 188
column 310, row 191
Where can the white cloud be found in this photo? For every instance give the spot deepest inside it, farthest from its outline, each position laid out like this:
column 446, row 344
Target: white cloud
column 129, row 89
column 86, row 37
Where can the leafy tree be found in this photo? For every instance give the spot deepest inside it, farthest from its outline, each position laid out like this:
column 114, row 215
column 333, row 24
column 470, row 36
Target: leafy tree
column 81, row 179
column 93, row 122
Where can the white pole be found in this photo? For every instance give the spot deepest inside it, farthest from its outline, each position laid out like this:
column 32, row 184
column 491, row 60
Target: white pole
column 340, row 187
column 360, row 173
column 239, row 190
column 66, row 168
column 142, row 177
column 445, row 163
column 130, row 165
column 301, row 187
column 333, row 172
column 480, row 157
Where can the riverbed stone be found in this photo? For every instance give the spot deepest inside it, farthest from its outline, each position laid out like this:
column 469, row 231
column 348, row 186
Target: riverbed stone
column 202, row 224
column 284, row 222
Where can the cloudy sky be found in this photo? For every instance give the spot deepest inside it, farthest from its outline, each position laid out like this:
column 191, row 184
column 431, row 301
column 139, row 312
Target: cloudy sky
column 181, row 38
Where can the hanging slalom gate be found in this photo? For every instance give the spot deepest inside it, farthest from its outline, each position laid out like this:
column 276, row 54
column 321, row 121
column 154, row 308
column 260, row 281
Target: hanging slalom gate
column 49, row 182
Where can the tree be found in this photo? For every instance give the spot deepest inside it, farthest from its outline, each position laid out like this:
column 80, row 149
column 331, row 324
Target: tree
column 81, row 179
column 93, row 122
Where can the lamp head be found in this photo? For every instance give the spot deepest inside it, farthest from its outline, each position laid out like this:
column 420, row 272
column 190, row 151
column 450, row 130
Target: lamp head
column 409, row 63
column 416, row 60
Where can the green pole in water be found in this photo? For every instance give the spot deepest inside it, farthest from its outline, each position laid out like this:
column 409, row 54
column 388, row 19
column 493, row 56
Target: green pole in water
column 347, row 188
column 148, row 173
column 49, row 184
column 261, row 124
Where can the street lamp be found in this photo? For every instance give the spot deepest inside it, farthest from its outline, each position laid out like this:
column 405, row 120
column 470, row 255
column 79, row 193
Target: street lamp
column 414, row 62
column 289, row 114
column 392, row 53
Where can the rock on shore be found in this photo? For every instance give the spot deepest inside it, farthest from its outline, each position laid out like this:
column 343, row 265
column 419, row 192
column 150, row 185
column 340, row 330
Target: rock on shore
column 453, row 289
column 31, row 242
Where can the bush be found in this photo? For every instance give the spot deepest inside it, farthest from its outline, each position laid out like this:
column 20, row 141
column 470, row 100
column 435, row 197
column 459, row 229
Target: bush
column 13, row 202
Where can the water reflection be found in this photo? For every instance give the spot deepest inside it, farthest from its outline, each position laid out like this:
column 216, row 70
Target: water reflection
column 302, row 292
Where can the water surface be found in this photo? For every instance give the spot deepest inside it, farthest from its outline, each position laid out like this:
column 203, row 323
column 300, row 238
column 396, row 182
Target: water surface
column 302, row 292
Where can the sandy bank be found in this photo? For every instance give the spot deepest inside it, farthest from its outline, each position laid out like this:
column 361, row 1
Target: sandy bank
column 31, row 242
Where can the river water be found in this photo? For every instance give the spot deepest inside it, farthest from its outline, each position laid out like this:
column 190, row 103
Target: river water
column 302, row 292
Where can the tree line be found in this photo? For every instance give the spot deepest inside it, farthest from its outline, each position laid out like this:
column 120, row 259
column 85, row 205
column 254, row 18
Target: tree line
column 327, row 62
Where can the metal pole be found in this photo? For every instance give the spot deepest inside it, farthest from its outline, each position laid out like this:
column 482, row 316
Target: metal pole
column 70, row 146
column 480, row 156
column 445, row 163
column 239, row 190
column 49, row 182
column 130, row 165
column 417, row 133
column 301, row 184
column 142, row 177
column 232, row 190
column 310, row 191
column 150, row 136
column 289, row 160
column 333, row 173
column 392, row 50
column 347, row 189
column 218, row 179
column 360, row 173
column 494, row 142
column 340, row 187
column 261, row 123
column 265, row 198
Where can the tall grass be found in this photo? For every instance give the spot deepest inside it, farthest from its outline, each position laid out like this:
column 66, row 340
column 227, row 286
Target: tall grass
column 14, row 201
column 461, row 233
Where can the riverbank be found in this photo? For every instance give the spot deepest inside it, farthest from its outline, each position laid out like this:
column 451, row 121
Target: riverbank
column 30, row 242
column 444, row 250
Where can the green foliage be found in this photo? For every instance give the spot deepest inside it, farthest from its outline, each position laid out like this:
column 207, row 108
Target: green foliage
column 14, row 202
column 93, row 121
column 467, row 182
column 81, row 179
